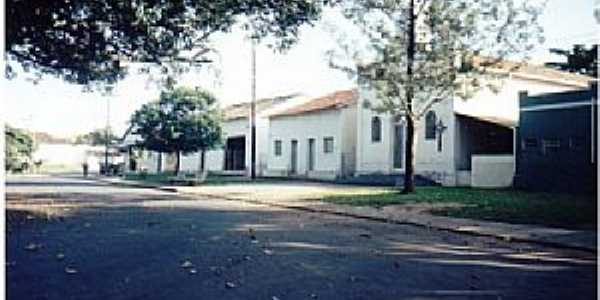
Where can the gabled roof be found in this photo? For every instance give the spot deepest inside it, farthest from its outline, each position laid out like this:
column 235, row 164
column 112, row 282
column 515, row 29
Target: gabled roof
column 242, row 110
column 334, row 100
column 535, row 72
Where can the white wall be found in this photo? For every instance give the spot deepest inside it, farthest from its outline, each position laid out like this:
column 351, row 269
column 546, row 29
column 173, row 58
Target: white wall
column 317, row 125
column 492, row 171
column 505, row 103
column 440, row 166
column 377, row 157
column 241, row 127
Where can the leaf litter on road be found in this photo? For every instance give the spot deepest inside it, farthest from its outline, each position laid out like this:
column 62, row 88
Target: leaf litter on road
column 33, row 247
column 187, row 264
column 70, row 270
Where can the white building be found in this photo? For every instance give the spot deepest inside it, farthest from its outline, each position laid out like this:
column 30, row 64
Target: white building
column 233, row 157
column 316, row 139
column 459, row 142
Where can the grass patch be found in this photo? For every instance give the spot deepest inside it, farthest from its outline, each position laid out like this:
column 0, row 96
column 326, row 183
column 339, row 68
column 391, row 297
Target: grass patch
column 568, row 211
column 165, row 178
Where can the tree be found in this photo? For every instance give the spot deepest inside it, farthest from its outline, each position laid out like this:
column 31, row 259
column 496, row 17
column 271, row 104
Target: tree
column 581, row 59
column 418, row 53
column 183, row 120
column 91, row 41
column 19, row 148
column 97, row 137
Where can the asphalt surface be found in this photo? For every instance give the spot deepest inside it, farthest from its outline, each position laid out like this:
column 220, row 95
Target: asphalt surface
column 69, row 238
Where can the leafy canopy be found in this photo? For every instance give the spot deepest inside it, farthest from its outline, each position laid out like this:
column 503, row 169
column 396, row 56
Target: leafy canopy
column 453, row 39
column 19, row 147
column 90, row 41
column 182, row 120
column 97, row 137
column 581, row 59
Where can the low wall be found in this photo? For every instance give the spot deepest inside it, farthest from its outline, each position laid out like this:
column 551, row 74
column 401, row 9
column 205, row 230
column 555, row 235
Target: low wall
column 492, row 171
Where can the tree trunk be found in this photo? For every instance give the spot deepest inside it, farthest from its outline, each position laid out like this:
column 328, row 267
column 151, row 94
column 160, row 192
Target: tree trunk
column 409, row 174
column 409, row 169
column 177, row 162
column 202, row 160
column 159, row 163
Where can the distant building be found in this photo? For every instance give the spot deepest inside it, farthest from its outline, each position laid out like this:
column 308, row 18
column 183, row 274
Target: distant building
column 557, row 142
column 316, row 139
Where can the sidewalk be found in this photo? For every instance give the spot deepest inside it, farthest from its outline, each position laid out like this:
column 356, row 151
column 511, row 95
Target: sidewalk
column 304, row 195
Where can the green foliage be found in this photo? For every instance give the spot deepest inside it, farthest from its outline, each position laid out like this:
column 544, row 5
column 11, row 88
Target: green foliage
column 97, row 137
column 92, row 41
column 453, row 37
column 581, row 59
column 183, row 120
column 19, row 148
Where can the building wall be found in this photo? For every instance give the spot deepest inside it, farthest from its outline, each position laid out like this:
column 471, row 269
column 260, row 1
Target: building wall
column 377, row 157
column 492, row 171
column 317, row 125
column 241, row 127
column 440, row 166
column 348, row 134
column 557, row 143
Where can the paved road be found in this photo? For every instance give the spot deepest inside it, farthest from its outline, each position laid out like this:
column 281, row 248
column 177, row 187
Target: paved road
column 73, row 239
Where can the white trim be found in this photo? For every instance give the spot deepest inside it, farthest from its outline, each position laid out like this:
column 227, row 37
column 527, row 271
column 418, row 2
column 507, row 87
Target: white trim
column 557, row 106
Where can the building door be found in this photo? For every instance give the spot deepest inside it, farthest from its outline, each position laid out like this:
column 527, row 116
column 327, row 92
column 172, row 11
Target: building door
column 398, row 146
column 235, row 154
column 311, row 154
column 294, row 157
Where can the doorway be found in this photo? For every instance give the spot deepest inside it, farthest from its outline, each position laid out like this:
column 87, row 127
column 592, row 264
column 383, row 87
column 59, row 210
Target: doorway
column 294, row 157
column 311, row 154
column 235, row 154
column 398, row 147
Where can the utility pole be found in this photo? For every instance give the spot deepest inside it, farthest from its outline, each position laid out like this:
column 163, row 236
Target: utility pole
column 409, row 179
column 253, row 114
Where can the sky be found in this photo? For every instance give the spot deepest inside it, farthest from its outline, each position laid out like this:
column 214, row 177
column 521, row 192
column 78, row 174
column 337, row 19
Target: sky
column 64, row 110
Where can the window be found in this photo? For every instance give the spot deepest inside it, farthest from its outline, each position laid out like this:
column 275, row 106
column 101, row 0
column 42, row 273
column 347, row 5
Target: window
column 529, row 143
column 328, row 145
column 576, row 143
column 550, row 146
column 277, row 147
column 376, row 129
column 430, row 120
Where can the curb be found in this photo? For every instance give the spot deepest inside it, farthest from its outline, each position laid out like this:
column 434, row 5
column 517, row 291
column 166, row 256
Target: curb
column 506, row 238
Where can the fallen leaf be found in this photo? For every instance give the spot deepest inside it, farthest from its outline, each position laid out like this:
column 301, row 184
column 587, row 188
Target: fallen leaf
column 230, row 285
column 33, row 247
column 187, row 264
column 70, row 270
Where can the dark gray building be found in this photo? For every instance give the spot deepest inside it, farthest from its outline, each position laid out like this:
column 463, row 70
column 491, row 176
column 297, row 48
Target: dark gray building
column 557, row 142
